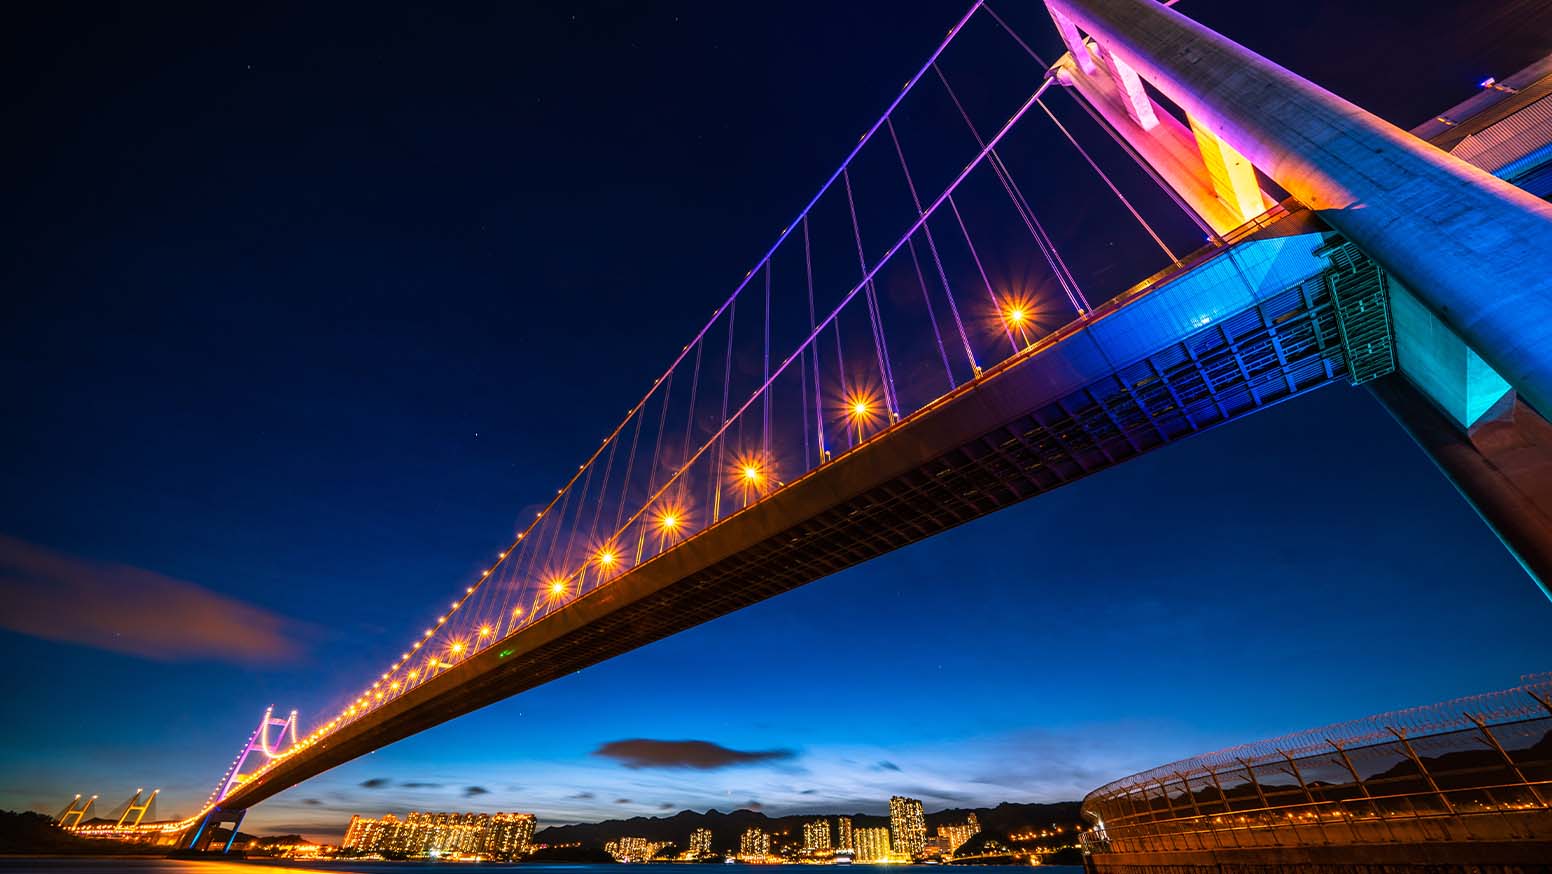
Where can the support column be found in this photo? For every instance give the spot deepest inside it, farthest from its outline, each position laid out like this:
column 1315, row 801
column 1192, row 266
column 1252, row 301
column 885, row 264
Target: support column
column 199, row 832
column 232, row 837
column 1502, row 467
column 1474, row 249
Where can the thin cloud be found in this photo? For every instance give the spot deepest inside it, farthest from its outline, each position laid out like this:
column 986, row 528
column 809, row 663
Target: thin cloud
column 131, row 610
column 623, row 801
column 471, row 791
column 701, row 755
column 374, row 783
column 415, row 785
column 886, row 765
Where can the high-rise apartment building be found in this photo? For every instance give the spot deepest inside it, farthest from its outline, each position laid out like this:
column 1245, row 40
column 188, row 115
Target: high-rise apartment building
column 754, row 844
column 954, row 836
column 907, row 827
column 633, row 849
column 843, row 836
column 490, row 835
column 872, row 844
column 700, row 843
column 816, row 837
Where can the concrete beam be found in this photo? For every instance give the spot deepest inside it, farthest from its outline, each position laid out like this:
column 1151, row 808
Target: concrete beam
column 1074, row 42
column 1474, row 249
column 1440, row 364
column 1233, row 178
column 1134, row 97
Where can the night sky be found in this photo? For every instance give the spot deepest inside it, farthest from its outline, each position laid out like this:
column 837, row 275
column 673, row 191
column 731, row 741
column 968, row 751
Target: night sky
column 305, row 308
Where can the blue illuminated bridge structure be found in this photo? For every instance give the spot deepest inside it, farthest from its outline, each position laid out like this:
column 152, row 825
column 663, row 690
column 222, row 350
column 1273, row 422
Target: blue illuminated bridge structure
column 941, row 332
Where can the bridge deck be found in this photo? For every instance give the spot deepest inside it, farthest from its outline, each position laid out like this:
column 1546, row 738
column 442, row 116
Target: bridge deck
column 1217, row 339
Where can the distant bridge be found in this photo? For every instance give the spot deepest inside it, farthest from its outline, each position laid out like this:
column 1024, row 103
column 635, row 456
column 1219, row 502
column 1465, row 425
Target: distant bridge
column 927, row 343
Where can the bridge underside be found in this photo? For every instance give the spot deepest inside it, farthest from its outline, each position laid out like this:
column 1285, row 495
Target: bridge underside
column 1214, row 341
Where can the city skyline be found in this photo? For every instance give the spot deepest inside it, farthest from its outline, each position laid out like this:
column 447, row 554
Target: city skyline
column 1027, row 638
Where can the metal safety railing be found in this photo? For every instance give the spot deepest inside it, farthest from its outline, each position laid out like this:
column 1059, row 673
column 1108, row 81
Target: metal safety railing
column 1471, row 769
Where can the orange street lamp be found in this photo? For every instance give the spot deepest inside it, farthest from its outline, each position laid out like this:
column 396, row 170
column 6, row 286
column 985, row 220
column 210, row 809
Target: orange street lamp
column 860, row 411
column 750, row 476
column 1018, row 318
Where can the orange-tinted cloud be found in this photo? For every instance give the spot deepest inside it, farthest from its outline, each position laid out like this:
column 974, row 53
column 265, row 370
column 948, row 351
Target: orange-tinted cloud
column 131, row 610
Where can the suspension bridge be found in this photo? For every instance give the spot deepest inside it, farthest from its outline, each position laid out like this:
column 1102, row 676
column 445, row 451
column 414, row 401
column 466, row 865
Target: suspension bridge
column 938, row 335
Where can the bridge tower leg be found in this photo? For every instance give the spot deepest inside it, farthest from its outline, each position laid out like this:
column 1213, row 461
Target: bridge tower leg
column 204, row 833
column 1475, row 250
column 232, row 837
column 138, row 810
column 74, row 816
column 1502, row 466
column 202, row 830
column 1467, row 255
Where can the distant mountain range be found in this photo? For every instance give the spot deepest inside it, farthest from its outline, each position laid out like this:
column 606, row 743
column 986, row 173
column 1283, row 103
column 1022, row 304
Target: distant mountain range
column 726, row 828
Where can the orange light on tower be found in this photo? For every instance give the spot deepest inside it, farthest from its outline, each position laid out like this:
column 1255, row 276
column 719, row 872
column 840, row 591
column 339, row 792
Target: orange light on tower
column 456, row 648
column 485, row 631
column 557, row 587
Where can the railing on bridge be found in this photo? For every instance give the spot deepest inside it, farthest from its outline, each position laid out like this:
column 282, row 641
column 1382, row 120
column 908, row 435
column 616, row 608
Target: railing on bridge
column 1472, row 769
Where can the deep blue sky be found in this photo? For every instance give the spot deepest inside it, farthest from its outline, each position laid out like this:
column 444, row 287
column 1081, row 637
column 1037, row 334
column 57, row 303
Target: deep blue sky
column 308, row 307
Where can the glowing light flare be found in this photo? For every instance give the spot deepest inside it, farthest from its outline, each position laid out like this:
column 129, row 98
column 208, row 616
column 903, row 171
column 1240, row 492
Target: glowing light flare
column 485, row 631
column 607, row 558
column 1018, row 315
column 456, row 647
column 862, row 409
column 557, row 588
